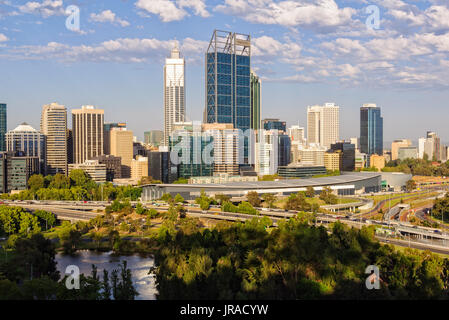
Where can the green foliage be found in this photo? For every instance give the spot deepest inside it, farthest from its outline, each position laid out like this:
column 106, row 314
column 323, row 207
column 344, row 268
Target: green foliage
column 78, row 178
column 220, row 198
column 410, row 185
column 46, row 218
column 310, row 192
column 253, row 198
column 440, row 208
column 181, row 181
column 269, row 177
column 179, row 198
column 248, row 261
column 327, row 196
column 15, row 220
column 419, row 167
column 243, row 207
column 297, row 202
column 166, row 197
column 269, row 199
column 36, row 182
column 60, row 181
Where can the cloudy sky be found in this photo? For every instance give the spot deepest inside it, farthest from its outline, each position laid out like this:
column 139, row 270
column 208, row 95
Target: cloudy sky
column 306, row 51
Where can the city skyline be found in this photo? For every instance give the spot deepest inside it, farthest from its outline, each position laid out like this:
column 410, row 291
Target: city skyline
column 126, row 68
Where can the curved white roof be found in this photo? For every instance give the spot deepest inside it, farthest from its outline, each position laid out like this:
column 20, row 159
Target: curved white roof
column 24, row 127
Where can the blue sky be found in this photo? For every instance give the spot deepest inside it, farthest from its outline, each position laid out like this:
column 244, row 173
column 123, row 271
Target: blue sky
column 306, row 52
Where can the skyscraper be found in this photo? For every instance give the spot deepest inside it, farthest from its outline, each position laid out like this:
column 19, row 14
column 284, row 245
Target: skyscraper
column 54, row 127
column 107, row 137
column 122, row 146
column 174, row 92
column 228, row 81
column 154, row 137
column 255, row 101
column 27, row 140
column 371, row 130
column 3, row 126
column 87, row 130
column 323, row 124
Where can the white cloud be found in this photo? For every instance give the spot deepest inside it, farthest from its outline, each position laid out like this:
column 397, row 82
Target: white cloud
column 318, row 15
column 46, row 8
column 169, row 10
column 123, row 50
column 3, row 38
column 108, row 16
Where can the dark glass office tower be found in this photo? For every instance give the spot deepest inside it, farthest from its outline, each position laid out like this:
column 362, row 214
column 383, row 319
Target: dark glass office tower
column 348, row 154
column 228, row 79
column 371, row 130
column 284, row 150
column 3, row 127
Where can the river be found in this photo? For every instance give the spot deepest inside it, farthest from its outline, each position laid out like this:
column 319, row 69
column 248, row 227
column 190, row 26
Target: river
column 139, row 266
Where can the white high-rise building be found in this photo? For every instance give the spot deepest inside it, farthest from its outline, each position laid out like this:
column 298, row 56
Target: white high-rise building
column 174, row 92
column 24, row 138
column 87, row 126
column 296, row 134
column 323, row 124
column 267, row 152
column 54, row 127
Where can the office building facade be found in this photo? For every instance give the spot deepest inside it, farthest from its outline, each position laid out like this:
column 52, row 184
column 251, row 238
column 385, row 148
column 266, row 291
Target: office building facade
column 15, row 170
column 113, row 166
column 347, row 151
column 174, row 92
column 323, row 124
column 24, row 138
column 107, row 134
column 228, row 82
column 54, row 127
column 396, row 144
column 160, row 167
column 3, row 126
column 371, row 130
column 122, row 146
column 95, row 170
column 87, row 130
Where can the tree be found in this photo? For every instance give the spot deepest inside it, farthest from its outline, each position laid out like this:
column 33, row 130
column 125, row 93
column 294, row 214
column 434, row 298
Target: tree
column 36, row 182
column 253, row 198
column 179, row 198
column 270, row 199
column 60, row 181
column 78, row 178
column 410, row 185
column 310, row 192
column 327, row 196
column 221, row 198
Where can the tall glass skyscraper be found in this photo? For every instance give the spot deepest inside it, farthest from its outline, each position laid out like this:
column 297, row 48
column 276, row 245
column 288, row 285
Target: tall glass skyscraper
column 228, row 81
column 371, row 130
column 2, row 127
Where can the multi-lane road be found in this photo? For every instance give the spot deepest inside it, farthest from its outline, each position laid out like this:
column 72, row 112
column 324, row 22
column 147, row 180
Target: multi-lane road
column 418, row 237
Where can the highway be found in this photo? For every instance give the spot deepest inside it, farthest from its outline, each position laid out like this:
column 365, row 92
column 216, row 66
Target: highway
column 423, row 238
